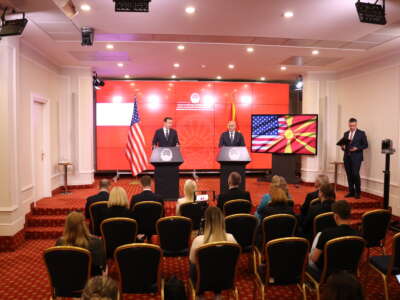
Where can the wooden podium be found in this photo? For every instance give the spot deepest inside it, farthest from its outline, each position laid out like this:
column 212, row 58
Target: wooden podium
column 65, row 166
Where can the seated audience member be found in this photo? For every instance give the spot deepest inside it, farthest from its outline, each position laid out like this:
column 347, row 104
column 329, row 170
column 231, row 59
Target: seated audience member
column 118, row 204
column 275, row 181
column 280, row 204
column 189, row 190
column 342, row 214
column 100, row 288
column 321, row 180
column 342, row 285
column 146, row 194
column 214, row 231
column 77, row 234
column 327, row 196
column 104, row 186
column 234, row 192
column 284, row 186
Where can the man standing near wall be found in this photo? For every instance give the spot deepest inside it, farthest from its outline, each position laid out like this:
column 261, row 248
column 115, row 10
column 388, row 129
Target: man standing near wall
column 353, row 147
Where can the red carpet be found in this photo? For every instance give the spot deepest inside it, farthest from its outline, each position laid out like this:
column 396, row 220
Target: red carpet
column 24, row 277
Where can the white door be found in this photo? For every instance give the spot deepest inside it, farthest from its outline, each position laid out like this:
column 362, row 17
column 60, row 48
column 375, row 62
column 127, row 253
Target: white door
column 38, row 150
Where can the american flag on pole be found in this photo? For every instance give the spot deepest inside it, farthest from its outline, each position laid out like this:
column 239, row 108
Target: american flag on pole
column 135, row 146
column 284, row 134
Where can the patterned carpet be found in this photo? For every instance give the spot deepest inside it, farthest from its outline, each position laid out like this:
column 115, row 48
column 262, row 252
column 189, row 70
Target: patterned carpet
column 24, row 277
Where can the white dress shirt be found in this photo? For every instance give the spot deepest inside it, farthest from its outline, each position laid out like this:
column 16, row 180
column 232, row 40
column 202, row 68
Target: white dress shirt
column 351, row 134
column 166, row 132
column 231, row 135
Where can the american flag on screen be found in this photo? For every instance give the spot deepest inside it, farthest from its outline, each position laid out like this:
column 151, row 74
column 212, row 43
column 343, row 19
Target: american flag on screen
column 135, row 146
column 284, row 134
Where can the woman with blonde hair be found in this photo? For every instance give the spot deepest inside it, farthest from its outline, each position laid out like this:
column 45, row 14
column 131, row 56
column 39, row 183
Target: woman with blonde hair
column 77, row 234
column 275, row 183
column 118, row 205
column 189, row 190
column 279, row 204
column 214, row 231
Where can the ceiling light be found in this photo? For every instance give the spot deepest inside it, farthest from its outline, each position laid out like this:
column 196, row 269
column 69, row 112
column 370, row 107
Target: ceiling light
column 250, row 49
column 170, row 84
column 190, row 10
column 246, row 86
column 219, row 77
column 203, row 66
column 315, row 52
column 288, row 14
column 176, row 65
column 283, row 68
column 127, row 76
column 263, row 78
column 173, row 76
column 110, row 46
column 230, row 66
column 120, row 65
column 85, row 7
column 181, row 47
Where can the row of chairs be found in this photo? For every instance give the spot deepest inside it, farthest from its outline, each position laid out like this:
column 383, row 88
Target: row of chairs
column 285, row 263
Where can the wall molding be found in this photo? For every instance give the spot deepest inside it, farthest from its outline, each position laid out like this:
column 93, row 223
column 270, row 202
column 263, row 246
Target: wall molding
column 27, row 188
column 8, row 208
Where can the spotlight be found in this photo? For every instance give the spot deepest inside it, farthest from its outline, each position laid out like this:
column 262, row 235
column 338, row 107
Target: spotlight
column 371, row 13
column 12, row 27
column 132, row 5
column 97, row 82
column 87, row 36
column 299, row 83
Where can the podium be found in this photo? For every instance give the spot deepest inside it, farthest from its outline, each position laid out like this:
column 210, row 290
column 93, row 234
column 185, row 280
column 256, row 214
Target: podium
column 166, row 161
column 232, row 159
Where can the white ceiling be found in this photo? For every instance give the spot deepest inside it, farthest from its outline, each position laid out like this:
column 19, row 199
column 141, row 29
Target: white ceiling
column 215, row 36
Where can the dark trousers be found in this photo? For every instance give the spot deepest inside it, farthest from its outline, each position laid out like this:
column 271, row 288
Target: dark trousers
column 352, row 166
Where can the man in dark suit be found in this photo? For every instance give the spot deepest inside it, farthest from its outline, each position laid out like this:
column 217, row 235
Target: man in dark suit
column 166, row 136
column 234, row 192
column 231, row 138
column 353, row 157
column 103, row 194
column 146, row 194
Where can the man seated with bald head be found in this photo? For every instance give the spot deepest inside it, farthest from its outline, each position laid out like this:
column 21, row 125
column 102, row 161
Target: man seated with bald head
column 231, row 138
column 102, row 195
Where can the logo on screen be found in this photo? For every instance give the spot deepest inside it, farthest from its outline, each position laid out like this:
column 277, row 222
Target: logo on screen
column 234, row 154
column 166, row 155
column 195, row 98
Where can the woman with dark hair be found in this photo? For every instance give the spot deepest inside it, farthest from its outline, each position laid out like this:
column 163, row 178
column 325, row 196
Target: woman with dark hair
column 342, row 286
column 77, row 234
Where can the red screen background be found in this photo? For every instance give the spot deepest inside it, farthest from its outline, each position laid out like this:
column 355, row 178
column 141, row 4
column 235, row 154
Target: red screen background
column 198, row 130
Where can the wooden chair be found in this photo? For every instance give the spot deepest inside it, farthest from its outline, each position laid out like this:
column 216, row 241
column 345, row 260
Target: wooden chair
column 139, row 268
column 97, row 211
column 278, row 226
column 286, row 261
column 323, row 221
column 315, row 201
column 216, row 267
column 193, row 211
column 374, row 227
column 146, row 215
column 69, row 269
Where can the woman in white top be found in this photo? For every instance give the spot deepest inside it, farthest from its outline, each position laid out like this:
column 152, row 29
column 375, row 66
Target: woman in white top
column 214, row 231
column 189, row 190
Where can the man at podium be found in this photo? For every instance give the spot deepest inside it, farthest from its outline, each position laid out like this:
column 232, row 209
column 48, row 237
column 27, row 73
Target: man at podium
column 166, row 136
column 231, row 138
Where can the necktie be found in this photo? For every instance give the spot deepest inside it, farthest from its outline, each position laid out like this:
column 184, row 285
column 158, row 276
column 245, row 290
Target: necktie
column 231, row 136
column 166, row 134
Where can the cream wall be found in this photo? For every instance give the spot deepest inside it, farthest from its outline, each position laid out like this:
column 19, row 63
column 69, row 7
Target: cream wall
column 370, row 93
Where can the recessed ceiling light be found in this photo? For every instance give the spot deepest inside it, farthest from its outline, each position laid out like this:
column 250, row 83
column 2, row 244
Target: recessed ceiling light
column 190, row 10
column 127, row 76
column 231, row 66
column 219, row 77
column 263, row 78
column 120, row 65
column 250, row 49
column 315, row 52
column 176, row 65
column 181, row 47
column 110, row 46
column 288, row 14
column 173, row 76
column 85, row 7
column 283, row 68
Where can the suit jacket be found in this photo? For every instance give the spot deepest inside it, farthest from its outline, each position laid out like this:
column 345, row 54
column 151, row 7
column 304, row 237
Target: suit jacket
column 102, row 196
column 306, row 205
column 225, row 140
column 232, row 194
column 145, row 196
column 160, row 140
column 359, row 141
